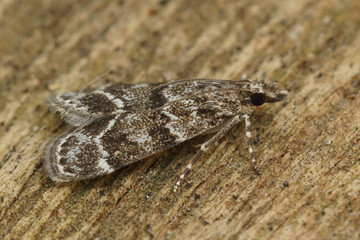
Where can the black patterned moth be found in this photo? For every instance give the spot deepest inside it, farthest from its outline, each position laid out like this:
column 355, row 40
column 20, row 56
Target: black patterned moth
column 117, row 125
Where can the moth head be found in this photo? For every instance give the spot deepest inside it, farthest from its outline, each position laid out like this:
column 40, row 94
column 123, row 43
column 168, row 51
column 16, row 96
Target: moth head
column 263, row 92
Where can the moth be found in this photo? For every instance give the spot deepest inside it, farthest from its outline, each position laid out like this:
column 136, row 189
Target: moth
column 117, row 125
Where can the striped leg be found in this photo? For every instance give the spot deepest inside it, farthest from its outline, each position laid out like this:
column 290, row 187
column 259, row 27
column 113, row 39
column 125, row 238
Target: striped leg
column 249, row 141
column 205, row 146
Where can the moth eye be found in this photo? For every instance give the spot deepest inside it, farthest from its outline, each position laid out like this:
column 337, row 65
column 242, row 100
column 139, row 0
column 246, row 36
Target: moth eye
column 257, row 99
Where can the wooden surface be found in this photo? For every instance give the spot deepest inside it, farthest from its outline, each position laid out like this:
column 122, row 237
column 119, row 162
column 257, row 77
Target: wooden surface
column 307, row 146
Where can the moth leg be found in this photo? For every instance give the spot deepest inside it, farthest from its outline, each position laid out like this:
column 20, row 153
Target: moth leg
column 249, row 142
column 207, row 145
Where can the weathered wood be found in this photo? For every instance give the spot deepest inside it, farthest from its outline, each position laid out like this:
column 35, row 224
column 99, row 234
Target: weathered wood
column 307, row 146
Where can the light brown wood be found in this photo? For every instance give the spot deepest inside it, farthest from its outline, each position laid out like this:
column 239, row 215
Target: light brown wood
column 307, row 146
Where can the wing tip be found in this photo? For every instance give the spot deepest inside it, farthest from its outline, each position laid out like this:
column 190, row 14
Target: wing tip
column 50, row 165
column 72, row 116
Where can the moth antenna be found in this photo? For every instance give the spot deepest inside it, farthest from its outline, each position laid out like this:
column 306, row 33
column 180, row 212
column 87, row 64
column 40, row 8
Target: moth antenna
column 94, row 80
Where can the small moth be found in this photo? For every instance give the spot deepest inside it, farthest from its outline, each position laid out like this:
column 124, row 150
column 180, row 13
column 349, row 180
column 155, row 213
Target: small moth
column 117, row 125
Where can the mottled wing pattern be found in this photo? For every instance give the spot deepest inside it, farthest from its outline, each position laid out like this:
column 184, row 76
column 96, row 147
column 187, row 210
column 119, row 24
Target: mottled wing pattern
column 81, row 109
column 117, row 140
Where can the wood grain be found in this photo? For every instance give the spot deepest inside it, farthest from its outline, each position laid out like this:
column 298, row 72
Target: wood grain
column 307, row 146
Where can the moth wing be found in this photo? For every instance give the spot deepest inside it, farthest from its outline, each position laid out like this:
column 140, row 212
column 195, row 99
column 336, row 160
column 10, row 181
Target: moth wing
column 76, row 155
column 71, row 110
column 81, row 109
column 113, row 142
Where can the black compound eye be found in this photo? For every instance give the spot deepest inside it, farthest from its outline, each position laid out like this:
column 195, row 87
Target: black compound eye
column 257, row 99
